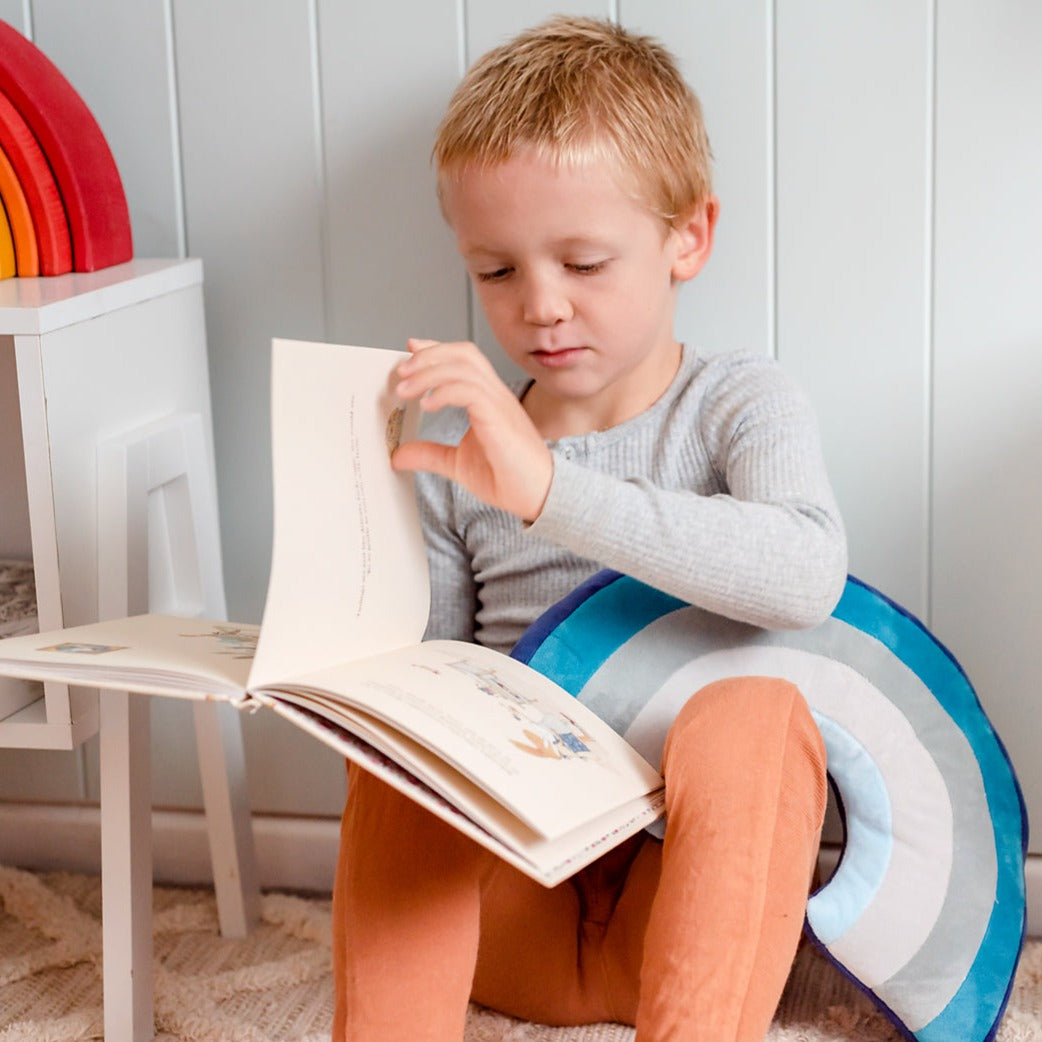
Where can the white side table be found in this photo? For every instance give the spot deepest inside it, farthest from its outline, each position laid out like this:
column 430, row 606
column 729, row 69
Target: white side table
column 111, row 369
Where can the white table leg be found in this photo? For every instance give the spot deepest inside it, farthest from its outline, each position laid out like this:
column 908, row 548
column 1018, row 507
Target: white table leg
column 222, row 767
column 126, row 867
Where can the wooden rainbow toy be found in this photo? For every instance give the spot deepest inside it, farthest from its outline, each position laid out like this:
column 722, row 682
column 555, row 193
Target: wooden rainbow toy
column 62, row 205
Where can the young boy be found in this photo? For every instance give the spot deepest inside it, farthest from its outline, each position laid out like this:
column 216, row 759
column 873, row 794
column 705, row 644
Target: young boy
column 573, row 169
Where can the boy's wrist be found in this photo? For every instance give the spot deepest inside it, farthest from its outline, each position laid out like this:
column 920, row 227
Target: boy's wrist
column 530, row 514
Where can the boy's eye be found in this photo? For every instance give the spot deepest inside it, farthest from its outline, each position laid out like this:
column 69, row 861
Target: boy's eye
column 493, row 276
column 587, row 269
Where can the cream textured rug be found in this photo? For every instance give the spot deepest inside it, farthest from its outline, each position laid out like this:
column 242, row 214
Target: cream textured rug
column 274, row 986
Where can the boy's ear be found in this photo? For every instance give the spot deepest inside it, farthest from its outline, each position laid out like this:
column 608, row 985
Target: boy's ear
column 694, row 239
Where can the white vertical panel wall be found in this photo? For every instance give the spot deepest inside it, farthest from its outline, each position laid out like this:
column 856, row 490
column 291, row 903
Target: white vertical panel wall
column 254, row 209
column 725, row 52
column 16, row 13
column 138, row 122
column 891, row 270
column 853, row 125
column 987, row 531
column 391, row 267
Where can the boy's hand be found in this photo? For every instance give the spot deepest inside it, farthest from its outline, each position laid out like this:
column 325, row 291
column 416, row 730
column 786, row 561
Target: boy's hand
column 502, row 459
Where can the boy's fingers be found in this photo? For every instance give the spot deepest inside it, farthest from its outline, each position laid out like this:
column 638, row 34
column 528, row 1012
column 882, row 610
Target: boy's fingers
column 424, row 455
column 479, row 401
column 450, row 381
column 415, row 344
column 434, row 352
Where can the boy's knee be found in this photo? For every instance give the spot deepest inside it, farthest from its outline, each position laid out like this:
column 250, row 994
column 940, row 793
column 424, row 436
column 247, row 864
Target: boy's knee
column 742, row 742
column 744, row 718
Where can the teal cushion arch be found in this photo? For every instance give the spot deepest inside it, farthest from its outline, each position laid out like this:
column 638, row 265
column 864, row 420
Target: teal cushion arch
column 926, row 909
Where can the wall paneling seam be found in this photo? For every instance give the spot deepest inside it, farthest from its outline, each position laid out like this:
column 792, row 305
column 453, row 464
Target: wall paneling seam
column 462, row 51
column 321, row 165
column 929, row 293
column 771, row 101
column 463, row 61
column 174, row 101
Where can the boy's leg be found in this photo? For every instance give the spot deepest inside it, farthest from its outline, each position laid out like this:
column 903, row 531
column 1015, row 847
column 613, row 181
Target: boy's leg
column 746, row 791
column 570, row 955
column 413, row 896
column 745, row 776
column 405, row 919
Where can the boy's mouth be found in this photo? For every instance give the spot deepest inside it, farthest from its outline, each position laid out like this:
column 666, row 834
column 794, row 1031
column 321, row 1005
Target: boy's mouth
column 558, row 358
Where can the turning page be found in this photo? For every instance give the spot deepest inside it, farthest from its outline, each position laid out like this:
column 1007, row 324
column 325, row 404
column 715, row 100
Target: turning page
column 349, row 570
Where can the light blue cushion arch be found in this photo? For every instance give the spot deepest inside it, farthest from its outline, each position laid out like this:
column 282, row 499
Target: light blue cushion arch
column 926, row 910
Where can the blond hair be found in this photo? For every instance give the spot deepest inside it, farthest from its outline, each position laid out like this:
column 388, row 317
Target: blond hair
column 574, row 89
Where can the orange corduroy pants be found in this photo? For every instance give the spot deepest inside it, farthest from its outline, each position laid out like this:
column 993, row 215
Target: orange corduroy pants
column 691, row 939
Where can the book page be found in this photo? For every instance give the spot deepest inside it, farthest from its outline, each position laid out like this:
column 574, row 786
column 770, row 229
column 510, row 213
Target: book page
column 149, row 654
column 457, row 801
column 349, row 570
column 507, row 728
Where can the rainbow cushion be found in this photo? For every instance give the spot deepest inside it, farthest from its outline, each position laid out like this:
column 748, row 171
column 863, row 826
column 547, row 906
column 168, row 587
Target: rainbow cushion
column 926, row 910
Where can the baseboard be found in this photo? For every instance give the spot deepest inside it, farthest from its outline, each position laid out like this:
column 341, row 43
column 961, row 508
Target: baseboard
column 1033, row 877
column 292, row 853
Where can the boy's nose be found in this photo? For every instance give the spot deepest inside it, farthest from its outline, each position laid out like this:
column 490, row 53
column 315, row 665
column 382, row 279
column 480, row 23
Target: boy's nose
column 544, row 304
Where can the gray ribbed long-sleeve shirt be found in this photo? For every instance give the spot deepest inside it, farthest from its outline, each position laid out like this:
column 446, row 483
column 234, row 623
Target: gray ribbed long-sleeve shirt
column 717, row 494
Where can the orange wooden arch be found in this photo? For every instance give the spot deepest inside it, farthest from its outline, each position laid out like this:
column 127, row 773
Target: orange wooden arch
column 41, row 191
column 7, row 261
column 27, row 257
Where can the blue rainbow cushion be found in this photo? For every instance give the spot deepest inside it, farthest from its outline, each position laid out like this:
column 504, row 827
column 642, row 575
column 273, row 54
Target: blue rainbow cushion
column 926, row 910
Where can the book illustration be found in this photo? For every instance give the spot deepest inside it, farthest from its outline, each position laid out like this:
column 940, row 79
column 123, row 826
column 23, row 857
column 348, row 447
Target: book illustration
column 548, row 732
column 72, row 647
column 395, row 425
column 230, row 640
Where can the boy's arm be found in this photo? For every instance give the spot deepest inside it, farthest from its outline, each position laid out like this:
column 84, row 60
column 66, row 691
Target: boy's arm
column 781, row 566
column 768, row 549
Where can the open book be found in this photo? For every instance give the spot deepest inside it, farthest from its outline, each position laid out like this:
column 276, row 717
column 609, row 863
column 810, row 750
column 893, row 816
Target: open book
column 484, row 741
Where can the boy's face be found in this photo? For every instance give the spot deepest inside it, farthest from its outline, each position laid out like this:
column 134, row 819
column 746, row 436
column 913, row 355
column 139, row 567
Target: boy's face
column 578, row 283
